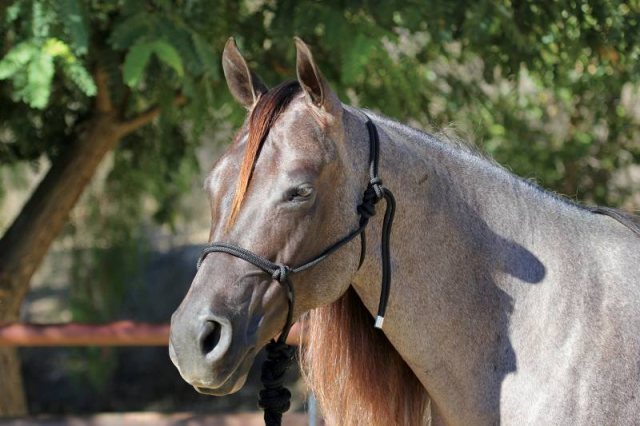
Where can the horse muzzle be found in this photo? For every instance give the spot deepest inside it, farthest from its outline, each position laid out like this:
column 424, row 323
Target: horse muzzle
column 206, row 355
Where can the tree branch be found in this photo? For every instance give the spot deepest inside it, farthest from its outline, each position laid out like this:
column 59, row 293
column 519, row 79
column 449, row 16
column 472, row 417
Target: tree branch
column 124, row 103
column 146, row 117
column 103, row 95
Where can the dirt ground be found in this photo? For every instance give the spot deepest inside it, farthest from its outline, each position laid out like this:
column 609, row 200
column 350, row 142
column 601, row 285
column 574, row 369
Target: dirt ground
column 156, row 419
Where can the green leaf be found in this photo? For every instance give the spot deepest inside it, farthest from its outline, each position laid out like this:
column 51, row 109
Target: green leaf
column 169, row 55
column 206, row 56
column 80, row 76
column 70, row 13
column 135, row 62
column 131, row 30
column 40, row 75
column 13, row 12
column 16, row 58
column 41, row 17
column 181, row 39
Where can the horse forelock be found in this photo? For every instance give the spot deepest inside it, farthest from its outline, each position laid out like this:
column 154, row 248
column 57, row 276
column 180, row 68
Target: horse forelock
column 266, row 111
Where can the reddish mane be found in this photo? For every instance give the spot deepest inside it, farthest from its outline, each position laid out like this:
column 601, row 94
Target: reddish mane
column 356, row 374
column 265, row 112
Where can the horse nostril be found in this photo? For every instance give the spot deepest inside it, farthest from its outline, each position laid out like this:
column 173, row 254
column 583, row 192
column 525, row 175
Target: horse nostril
column 210, row 336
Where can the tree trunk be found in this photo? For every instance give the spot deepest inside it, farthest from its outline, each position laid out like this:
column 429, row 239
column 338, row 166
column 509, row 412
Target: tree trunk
column 26, row 242
column 12, row 400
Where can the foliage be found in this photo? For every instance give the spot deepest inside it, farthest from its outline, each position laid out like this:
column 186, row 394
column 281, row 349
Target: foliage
column 432, row 62
column 103, row 274
column 30, row 63
column 150, row 54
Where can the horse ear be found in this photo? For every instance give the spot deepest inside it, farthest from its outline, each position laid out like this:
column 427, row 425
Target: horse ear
column 310, row 78
column 243, row 84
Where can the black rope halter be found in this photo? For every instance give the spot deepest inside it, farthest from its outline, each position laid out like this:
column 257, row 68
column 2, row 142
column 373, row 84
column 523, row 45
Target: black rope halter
column 275, row 398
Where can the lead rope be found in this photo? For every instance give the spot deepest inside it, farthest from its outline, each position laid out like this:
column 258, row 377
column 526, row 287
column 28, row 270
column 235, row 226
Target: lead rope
column 275, row 399
column 372, row 195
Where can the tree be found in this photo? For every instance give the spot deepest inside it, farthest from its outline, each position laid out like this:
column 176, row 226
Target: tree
column 539, row 85
column 56, row 108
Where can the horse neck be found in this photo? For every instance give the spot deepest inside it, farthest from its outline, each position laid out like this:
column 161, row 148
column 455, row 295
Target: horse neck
column 459, row 263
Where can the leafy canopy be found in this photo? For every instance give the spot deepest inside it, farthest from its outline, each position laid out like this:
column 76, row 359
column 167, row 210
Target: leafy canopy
column 547, row 88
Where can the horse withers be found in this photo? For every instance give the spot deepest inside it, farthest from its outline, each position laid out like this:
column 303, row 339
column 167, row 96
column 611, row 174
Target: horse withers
column 509, row 305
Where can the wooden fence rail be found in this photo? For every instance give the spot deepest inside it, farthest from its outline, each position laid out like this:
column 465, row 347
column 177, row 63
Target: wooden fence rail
column 119, row 333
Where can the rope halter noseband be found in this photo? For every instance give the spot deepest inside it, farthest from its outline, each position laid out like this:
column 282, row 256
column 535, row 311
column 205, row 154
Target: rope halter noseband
column 274, row 399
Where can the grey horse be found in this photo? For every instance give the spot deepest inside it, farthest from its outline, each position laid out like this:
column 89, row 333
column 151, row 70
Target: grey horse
column 509, row 304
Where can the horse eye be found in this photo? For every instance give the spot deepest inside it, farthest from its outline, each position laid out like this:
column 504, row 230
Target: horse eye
column 301, row 192
column 304, row 191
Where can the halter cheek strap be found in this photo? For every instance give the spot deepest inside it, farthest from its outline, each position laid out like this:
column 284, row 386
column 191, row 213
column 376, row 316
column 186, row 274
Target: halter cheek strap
column 274, row 399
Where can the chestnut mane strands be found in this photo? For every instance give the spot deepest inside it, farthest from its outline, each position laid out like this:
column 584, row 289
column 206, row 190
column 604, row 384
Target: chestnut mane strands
column 265, row 112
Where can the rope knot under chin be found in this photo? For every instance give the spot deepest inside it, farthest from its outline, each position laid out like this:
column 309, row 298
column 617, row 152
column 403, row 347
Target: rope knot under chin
column 275, row 398
column 281, row 273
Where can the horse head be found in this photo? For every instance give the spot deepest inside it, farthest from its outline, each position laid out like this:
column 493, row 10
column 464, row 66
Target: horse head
column 285, row 189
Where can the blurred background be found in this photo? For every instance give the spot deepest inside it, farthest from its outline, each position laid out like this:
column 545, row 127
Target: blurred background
column 112, row 112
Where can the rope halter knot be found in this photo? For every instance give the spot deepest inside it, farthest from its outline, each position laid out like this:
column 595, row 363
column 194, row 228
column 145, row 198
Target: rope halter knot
column 281, row 274
column 371, row 196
